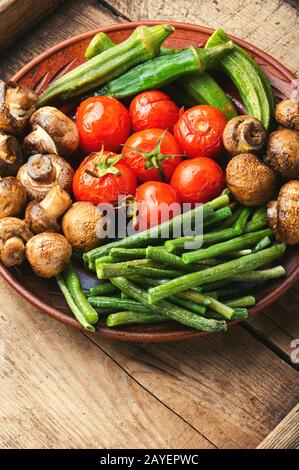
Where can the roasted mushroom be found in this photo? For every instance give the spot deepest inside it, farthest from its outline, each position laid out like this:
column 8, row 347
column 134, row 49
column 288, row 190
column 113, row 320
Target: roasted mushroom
column 251, row 181
column 14, row 234
column 244, row 134
column 283, row 153
column 17, row 103
column 283, row 214
column 42, row 172
column 52, row 132
column 287, row 114
column 48, row 253
column 12, row 197
column 10, row 155
column 81, row 226
column 42, row 216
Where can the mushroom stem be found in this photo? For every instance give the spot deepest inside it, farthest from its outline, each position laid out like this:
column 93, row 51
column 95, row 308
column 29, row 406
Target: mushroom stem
column 13, row 252
column 57, row 202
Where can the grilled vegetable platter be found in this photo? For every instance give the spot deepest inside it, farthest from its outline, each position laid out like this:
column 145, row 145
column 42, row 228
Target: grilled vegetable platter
column 152, row 144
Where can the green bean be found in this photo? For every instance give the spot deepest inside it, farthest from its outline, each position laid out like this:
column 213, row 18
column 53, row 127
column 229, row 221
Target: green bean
column 271, row 273
column 73, row 283
column 108, row 271
column 213, row 303
column 225, row 247
column 100, row 289
column 117, row 304
column 258, row 220
column 246, row 301
column 263, row 243
column 126, row 254
column 160, row 255
column 144, row 238
column 169, row 310
column 239, row 314
column 72, row 305
column 129, row 317
column 216, row 273
column 192, row 306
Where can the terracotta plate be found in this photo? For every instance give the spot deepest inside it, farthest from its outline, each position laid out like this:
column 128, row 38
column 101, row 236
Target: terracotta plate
column 55, row 62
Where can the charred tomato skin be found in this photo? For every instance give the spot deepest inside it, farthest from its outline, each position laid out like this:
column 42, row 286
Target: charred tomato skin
column 198, row 180
column 102, row 121
column 199, row 131
column 103, row 189
column 153, row 109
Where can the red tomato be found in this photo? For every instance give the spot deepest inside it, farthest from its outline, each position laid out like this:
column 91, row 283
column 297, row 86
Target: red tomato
column 199, row 131
column 102, row 121
column 157, row 202
column 153, row 108
column 99, row 179
column 198, row 180
column 148, row 154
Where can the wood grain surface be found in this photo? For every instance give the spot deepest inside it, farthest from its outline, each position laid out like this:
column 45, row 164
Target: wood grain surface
column 65, row 389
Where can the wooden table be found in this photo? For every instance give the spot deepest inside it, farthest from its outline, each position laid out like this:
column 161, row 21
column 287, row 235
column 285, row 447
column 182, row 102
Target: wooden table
column 62, row 388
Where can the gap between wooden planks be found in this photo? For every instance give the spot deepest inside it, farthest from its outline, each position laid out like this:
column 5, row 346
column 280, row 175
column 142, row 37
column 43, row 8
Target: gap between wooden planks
column 228, row 423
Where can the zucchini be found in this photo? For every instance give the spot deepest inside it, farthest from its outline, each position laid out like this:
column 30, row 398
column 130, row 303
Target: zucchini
column 253, row 85
column 190, row 90
column 143, row 44
column 162, row 70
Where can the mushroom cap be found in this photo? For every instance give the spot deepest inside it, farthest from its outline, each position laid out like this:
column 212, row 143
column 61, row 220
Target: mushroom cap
column 48, row 253
column 80, row 224
column 251, row 182
column 62, row 173
column 10, row 155
column 38, row 220
column 283, row 153
column 287, row 114
column 12, row 197
column 14, row 233
column 52, row 132
column 283, row 214
column 17, row 103
column 244, row 134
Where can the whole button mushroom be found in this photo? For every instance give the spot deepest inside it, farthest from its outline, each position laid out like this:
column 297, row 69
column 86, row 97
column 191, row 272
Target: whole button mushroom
column 42, row 172
column 251, row 182
column 81, row 225
column 283, row 153
column 287, row 114
column 14, row 234
column 43, row 216
column 17, row 103
column 244, row 134
column 48, row 253
column 10, row 155
column 283, row 214
column 52, row 132
column 12, row 197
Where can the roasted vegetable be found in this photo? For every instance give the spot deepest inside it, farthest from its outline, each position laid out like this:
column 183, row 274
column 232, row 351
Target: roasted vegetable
column 283, row 153
column 283, row 214
column 14, row 234
column 12, row 197
column 251, row 182
column 165, row 69
column 244, row 134
column 287, row 114
column 143, row 44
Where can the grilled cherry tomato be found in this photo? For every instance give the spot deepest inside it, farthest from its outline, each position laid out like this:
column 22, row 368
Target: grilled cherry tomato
column 153, row 108
column 102, row 121
column 101, row 178
column 157, row 202
column 198, row 180
column 152, row 154
column 199, row 131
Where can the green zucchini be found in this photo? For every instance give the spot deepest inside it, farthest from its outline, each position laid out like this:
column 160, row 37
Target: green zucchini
column 143, row 44
column 162, row 70
column 191, row 90
column 253, row 85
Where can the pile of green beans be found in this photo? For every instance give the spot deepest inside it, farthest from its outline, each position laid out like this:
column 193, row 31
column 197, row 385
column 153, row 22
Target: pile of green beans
column 201, row 287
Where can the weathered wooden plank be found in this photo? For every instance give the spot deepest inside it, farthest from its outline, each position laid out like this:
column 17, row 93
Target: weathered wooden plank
column 17, row 16
column 272, row 25
column 69, row 19
column 229, row 387
column 285, row 435
column 60, row 391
